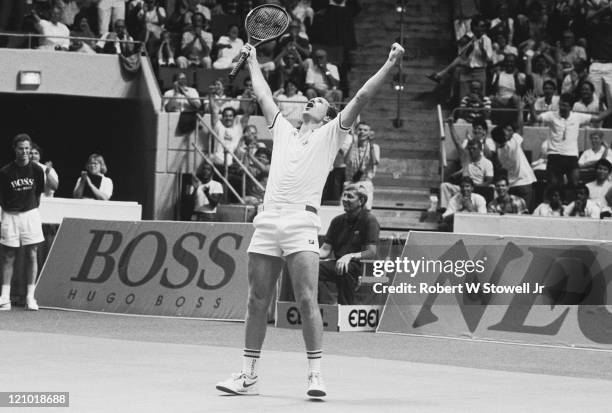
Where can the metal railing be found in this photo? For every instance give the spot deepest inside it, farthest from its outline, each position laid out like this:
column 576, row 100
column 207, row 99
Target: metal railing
column 30, row 36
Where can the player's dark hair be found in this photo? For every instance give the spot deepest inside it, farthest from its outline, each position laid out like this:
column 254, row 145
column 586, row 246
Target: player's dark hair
column 22, row 137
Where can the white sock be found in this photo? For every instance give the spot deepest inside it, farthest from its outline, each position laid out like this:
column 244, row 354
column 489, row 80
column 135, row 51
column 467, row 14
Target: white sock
column 6, row 291
column 314, row 360
column 249, row 362
column 30, row 291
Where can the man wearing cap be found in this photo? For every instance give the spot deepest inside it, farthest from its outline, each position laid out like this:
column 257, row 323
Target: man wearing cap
column 350, row 238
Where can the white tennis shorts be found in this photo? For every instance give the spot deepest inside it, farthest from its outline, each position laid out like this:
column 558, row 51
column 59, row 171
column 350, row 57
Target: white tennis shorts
column 281, row 231
column 21, row 228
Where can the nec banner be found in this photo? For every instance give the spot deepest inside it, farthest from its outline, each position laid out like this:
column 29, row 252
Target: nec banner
column 163, row 268
column 531, row 290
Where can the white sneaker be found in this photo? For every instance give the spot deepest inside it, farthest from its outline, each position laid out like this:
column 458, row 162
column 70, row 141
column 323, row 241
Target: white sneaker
column 316, row 386
column 239, row 384
column 31, row 304
column 5, row 304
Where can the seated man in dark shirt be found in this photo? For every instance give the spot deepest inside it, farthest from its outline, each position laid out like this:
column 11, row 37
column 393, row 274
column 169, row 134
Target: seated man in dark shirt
column 351, row 237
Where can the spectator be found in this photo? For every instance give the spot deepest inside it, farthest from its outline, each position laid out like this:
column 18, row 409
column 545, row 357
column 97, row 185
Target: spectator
column 323, row 77
column 110, row 12
column 196, row 44
column 475, row 100
column 501, row 48
column 290, row 67
column 117, row 42
column 229, row 48
column 589, row 101
column 70, row 9
column 552, row 207
column 51, row 28
column 582, row 206
column 508, row 86
column 505, row 203
column 166, row 51
column 294, row 41
column 181, row 98
column 21, row 184
column 207, row 195
column 93, row 184
column 550, row 100
column 362, row 158
column 260, row 168
column 538, row 73
column 351, row 237
column 291, row 103
column 465, row 201
column 474, row 165
column 247, row 101
column 471, row 61
column 572, row 78
column 83, row 30
column 601, row 186
column 568, row 51
column 503, row 25
column 463, row 12
column 304, row 14
column 600, row 50
column 228, row 129
column 332, row 191
column 598, row 151
column 180, row 20
column 51, row 178
column 564, row 127
column 511, row 157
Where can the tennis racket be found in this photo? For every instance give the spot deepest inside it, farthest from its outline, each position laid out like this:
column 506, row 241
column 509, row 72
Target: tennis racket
column 263, row 24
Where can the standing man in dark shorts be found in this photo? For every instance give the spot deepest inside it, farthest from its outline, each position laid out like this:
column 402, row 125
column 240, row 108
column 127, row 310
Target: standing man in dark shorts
column 288, row 226
column 21, row 183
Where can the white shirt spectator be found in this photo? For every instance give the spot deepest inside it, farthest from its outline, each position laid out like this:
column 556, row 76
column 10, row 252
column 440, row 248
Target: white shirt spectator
column 545, row 210
column 564, row 132
column 226, row 55
column 231, row 138
column 597, row 194
column 315, row 77
column 591, row 210
column 181, row 102
column 49, row 30
column 513, row 159
column 592, row 107
column 478, row 170
column 540, row 104
column 477, row 58
column 201, row 200
column 455, row 204
column 113, row 38
column 591, row 156
column 506, row 86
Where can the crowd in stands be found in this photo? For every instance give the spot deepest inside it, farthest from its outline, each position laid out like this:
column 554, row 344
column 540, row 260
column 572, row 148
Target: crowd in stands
column 549, row 64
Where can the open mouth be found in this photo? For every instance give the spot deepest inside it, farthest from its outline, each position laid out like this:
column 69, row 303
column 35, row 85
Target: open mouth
column 309, row 105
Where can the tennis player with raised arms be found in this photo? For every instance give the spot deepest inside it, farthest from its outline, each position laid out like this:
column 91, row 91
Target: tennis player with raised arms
column 288, row 226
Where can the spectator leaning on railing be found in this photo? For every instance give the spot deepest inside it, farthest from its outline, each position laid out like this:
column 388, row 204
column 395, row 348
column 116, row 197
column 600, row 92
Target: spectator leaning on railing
column 51, row 28
column 117, row 42
column 181, row 98
column 93, row 184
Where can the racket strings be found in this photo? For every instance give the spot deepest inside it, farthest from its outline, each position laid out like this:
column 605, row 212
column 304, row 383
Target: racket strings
column 266, row 23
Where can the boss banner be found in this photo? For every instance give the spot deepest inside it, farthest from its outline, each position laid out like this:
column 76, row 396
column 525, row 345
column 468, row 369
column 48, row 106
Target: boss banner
column 544, row 291
column 186, row 269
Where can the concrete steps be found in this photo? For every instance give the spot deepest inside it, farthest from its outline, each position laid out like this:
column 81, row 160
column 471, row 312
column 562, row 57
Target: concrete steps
column 405, row 220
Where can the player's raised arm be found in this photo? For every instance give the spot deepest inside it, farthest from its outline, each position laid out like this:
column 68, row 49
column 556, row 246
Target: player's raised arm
column 370, row 88
column 260, row 86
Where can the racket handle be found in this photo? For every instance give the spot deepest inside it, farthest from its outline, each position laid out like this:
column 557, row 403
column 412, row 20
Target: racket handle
column 239, row 65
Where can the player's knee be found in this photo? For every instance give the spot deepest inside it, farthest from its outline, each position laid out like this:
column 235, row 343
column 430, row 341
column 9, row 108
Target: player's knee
column 257, row 303
column 307, row 303
column 8, row 255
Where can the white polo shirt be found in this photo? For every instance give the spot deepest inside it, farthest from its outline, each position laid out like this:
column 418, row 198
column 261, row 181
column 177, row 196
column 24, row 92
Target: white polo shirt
column 564, row 132
column 300, row 164
column 513, row 159
column 201, row 200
